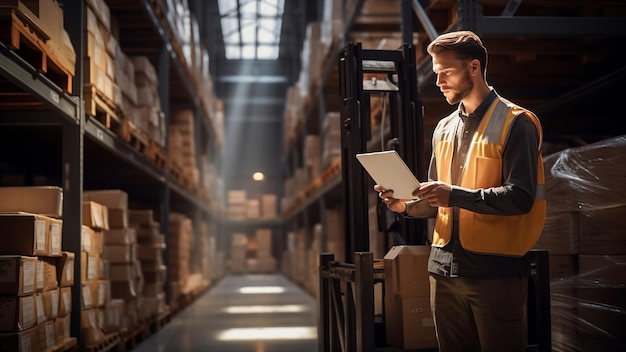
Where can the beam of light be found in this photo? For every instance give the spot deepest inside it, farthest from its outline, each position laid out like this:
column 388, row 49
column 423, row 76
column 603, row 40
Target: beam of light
column 261, row 289
column 276, row 333
column 289, row 308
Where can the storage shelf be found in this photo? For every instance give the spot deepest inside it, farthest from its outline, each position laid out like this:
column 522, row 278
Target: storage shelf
column 19, row 72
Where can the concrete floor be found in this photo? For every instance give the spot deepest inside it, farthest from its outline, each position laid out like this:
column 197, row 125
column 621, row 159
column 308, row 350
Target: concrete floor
column 244, row 313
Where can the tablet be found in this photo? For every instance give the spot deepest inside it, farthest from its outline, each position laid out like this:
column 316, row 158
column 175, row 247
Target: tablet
column 389, row 171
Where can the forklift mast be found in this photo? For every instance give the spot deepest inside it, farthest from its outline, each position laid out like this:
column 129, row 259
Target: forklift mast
column 360, row 72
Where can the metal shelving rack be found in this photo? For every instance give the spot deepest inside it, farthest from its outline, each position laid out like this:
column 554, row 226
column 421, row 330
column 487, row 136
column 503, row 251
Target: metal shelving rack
column 65, row 112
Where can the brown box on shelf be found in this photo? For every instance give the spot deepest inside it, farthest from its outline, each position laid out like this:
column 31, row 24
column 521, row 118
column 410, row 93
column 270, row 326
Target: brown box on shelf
column 50, row 305
column 43, row 200
column 91, row 295
column 120, row 253
column 110, row 198
column 269, row 206
column 90, row 330
column 24, row 234
column 406, row 271
column 149, row 253
column 121, row 272
column 56, row 237
column 89, row 266
column 47, row 273
column 17, row 313
column 22, row 341
column 409, row 323
column 91, row 240
column 118, row 218
column 39, row 310
column 95, row 215
column 65, row 301
column 123, row 289
column 17, row 275
column 65, row 269
column 137, row 217
column 122, row 236
column 62, row 327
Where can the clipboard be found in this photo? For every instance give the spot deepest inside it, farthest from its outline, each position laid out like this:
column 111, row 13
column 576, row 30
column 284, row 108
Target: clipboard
column 391, row 172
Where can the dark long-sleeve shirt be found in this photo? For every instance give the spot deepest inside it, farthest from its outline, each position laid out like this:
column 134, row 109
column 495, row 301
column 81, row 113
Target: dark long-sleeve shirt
column 515, row 196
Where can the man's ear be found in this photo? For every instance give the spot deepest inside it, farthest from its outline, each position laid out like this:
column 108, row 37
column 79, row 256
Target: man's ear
column 475, row 66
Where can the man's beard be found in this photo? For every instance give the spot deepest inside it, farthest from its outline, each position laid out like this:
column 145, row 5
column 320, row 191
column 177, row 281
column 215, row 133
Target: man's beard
column 465, row 88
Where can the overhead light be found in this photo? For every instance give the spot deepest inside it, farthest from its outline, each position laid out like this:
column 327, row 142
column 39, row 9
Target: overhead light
column 258, row 176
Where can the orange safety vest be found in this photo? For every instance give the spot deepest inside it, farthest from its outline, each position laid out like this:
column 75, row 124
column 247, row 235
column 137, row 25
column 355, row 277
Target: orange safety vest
column 491, row 234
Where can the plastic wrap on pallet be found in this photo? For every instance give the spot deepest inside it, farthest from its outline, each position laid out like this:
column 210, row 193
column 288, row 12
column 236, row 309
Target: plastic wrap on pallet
column 585, row 234
column 589, row 310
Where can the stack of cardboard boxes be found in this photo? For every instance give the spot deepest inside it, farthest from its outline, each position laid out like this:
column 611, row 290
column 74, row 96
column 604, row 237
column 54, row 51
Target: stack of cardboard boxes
column 35, row 275
column 95, row 291
column 150, row 247
column 260, row 259
column 408, row 320
column 179, row 252
column 238, row 252
column 119, row 252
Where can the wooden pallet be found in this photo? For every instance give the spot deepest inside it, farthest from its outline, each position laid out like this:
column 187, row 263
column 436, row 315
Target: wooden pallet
column 108, row 343
column 22, row 34
column 68, row 344
column 133, row 135
column 157, row 154
column 178, row 174
column 102, row 109
column 130, row 338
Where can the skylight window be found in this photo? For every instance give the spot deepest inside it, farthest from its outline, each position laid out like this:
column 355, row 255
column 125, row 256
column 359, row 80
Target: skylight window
column 251, row 28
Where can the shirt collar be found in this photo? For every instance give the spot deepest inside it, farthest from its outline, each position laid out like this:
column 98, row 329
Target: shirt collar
column 480, row 110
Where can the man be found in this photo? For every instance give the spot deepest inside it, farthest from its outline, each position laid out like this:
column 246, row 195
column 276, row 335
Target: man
column 486, row 189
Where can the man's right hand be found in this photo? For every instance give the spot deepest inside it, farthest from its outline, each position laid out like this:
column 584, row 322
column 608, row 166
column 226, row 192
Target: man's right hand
column 394, row 204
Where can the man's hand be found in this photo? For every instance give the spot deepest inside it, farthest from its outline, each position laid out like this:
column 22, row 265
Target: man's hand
column 396, row 205
column 436, row 193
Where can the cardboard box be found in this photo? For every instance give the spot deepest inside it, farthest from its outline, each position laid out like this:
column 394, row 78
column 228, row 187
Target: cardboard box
column 24, row 234
column 65, row 301
column 123, row 253
column 95, row 215
column 23, row 341
column 406, row 271
column 90, row 330
column 47, row 272
column 408, row 322
column 42, row 200
column 150, row 253
column 110, row 198
column 137, row 217
column 17, row 313
column 90, row 266
column 39, row 309
column 62, row 327
column 17, row 275
column 118, row 218
column 65, row 269
column 124, row 236
column 56, row 237
column 50, row 304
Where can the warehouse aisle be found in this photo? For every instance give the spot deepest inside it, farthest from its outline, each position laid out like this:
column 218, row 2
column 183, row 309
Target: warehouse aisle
column 256, row 313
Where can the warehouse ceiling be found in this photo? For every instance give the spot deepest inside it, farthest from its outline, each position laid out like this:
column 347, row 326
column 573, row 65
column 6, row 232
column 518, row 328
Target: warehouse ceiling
column 251, row 85
column 556, row 57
